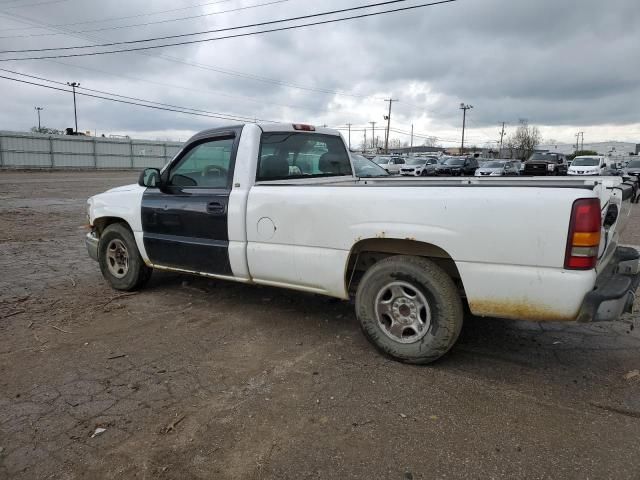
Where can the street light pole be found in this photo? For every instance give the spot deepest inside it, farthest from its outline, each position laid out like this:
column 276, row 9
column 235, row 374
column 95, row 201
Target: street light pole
column 39, row 109
column 73, row 85
column 464, row 109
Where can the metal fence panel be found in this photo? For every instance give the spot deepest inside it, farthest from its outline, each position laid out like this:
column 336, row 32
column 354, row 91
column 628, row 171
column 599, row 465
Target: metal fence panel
column 111, row 147
column 32, row 150
column 113, row 161
column 25, row 144
column 70, row 160
column 73, row 146
column 19, row 159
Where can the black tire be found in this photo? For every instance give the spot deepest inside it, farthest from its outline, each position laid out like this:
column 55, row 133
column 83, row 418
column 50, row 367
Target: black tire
column 428, row 281
column 113, row 240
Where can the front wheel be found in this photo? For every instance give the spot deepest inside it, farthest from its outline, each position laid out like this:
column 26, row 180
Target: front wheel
column 119, row 258
column 409, row 308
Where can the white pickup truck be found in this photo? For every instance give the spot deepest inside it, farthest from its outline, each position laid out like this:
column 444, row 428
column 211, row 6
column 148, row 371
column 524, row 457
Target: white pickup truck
column 279, row 205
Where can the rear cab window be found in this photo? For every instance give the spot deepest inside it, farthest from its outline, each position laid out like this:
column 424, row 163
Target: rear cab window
column 290, row 155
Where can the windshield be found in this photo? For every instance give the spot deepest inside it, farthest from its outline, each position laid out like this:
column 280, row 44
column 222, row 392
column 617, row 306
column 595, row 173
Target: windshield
column 493, row 165
column 455, row 161
column 586, row 162
column 416, row 161
column 381, row 160
column 634, row 164
column 547, row 157
column 364, row 167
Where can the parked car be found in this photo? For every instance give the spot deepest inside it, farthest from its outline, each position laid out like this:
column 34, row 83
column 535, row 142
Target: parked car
column 457, row 166
column 632, row 168
column 497, row 168
column 546, row 164
column 390, row 164
column 229, row 207
column 363, row 167
column 419, row 166
column 587, row 165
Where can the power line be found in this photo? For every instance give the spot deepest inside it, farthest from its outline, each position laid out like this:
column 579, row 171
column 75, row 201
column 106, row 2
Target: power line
column 110, row 19
column 248, row 7
column 160, row 107
column 233, row 73
column 117, row 95
column 31, row 4
column 219, row 30
column 280, row 29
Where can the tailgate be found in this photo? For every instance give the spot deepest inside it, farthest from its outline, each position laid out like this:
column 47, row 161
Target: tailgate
column 616, row 199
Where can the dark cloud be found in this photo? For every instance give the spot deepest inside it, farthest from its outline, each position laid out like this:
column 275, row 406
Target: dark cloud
column 556, row 63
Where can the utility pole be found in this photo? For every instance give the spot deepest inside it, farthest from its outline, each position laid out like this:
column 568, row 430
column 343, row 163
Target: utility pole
column 349, row 127
column 373, row 134
column 39, row 109
column 582, row 141
column 577, row 142
column 388, row 119
column 464, row 109
column 73, row 85
column 364, row 143
column 501, row 137
column 411, row 144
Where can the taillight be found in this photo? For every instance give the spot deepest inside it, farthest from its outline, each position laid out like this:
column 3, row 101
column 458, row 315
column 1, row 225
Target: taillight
column 303, row 127
column 584, row 235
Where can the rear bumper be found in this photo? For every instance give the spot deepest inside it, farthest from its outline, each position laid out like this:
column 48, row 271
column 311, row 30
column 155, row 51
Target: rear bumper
column 615, row 288
column 91, row 241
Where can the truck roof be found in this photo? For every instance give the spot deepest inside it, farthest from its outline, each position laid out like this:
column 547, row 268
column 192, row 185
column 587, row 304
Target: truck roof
column 296, row 127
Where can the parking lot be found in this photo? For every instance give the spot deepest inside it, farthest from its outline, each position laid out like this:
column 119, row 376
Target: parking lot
column 196, row 378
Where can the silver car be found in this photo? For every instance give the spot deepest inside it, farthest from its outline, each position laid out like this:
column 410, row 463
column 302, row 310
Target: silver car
column 389, row 163
column 497, row 169
column 419, row 166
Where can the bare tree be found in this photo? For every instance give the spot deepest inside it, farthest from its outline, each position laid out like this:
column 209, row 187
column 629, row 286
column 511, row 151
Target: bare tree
column 524, row 141
column 431, row 142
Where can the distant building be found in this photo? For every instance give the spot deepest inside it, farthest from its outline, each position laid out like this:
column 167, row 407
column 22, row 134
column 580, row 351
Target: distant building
column 417, row 149
column 612, row 148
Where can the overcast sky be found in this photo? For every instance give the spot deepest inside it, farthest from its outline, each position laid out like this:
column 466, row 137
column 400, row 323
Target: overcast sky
column 564, row 65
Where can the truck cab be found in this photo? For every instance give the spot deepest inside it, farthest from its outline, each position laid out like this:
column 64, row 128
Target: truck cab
column 546, row 163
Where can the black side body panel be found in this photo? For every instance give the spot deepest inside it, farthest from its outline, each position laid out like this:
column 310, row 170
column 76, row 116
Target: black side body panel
column 186, row 227
column 180, row 232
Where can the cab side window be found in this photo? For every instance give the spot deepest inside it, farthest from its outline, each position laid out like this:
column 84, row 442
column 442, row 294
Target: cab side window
column 295, row 155
column 207, row 165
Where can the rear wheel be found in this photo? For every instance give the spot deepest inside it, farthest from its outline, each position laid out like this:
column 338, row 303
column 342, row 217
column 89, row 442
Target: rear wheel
column 119, row 258
column 409, row 308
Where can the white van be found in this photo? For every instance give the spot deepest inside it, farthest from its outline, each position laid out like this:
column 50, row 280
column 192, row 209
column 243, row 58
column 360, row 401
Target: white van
column 587, row 165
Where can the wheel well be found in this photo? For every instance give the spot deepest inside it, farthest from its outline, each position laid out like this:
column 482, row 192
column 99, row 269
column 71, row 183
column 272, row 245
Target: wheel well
column 367, row 252
column 99, row 224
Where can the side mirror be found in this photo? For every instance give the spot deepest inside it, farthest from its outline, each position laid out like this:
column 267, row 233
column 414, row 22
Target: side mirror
column 149, row 177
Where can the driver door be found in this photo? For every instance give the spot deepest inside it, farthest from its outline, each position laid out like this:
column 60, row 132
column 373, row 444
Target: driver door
column 185, row 224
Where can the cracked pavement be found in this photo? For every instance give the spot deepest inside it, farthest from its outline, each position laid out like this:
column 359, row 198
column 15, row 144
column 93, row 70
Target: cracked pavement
column 195, row 378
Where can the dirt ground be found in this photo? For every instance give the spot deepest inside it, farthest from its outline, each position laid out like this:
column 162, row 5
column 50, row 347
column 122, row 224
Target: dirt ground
column 194, row 378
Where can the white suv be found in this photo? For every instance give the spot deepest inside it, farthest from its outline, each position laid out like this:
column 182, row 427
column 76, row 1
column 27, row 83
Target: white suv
column 587, row 165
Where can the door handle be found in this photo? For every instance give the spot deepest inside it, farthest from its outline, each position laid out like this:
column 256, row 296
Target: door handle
column 216, row 207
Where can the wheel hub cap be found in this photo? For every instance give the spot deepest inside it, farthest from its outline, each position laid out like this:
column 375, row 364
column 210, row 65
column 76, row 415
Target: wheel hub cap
column 117, row 258
column 402, row 312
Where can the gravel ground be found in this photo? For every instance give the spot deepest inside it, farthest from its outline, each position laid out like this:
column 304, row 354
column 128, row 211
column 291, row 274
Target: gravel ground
column 194, row 378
